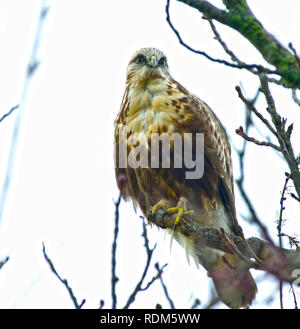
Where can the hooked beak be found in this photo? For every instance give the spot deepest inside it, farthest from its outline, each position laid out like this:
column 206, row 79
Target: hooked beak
column 153, row 61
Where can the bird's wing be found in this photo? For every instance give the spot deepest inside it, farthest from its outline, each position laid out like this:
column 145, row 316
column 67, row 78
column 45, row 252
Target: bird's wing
column 217, row 148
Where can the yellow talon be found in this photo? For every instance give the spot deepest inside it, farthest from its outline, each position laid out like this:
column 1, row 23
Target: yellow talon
column 180, row 212
column 169, row 211
column 155, row 208
column 159, row 205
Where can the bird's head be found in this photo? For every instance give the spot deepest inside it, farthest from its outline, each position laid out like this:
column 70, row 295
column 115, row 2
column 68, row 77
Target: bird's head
column 147, row 64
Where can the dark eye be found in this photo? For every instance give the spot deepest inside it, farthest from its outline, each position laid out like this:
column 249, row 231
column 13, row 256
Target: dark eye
column 162, row 61
column 141, row 59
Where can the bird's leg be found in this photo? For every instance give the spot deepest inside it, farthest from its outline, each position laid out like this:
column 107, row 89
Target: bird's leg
column 180, row 209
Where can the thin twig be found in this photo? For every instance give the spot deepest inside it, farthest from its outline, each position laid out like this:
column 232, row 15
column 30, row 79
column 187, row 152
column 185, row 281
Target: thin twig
column 294, row 296
column 101, row 304
column 3, row 262
column 30, row 70
column 282, row 199
column 196, row 304
column 234, row 58
column 295, row 197
column 283, row 135
column 240, row 132
column 114, row 278
column 9, row 112
column 280, row 82
column 279, row 229
column 294, row 97
column 172, row 305
column 252, row 108
column 155, row 277
column 250, row 67
column 121, row 182
column 149, row 253
column 232, row 55
column 281, row 293
column 63, row 281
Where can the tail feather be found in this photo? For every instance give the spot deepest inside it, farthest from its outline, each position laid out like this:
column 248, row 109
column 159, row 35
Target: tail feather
column 234, row 284
column 235, row 287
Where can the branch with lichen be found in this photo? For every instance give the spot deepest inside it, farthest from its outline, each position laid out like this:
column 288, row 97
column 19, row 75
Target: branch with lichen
column 239, row 17
column 277, row 261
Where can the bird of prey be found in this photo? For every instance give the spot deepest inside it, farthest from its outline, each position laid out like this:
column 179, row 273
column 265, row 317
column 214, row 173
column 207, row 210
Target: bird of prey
column 155, row 104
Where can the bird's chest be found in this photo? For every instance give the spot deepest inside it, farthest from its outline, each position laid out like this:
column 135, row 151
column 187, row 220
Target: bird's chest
column 150, row 111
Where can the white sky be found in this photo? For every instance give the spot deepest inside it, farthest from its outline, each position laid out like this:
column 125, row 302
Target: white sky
column 63, row 184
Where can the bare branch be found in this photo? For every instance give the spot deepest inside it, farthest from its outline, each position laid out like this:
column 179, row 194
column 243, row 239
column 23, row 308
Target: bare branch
column 3, row 262
column 138, row 287
column 234, row 58
column 295, row 98
column 240, row 132
column 282, row 199
column 196, row 304
column 114, row 278
column 154, row 278
column 9, row 112
column 252, row 108
column 31, row 68
column 241, row 65
column 294, row 296
column 295, row 197
column 223, row 44
column 279, row 229
column 63, row 281
column 283, row 135
column 241, row 154
column 101, row 304
column 164, row 287
column 279, row 82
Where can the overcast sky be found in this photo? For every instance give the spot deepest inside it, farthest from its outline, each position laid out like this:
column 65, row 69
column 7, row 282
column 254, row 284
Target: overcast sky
column 63, row 183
